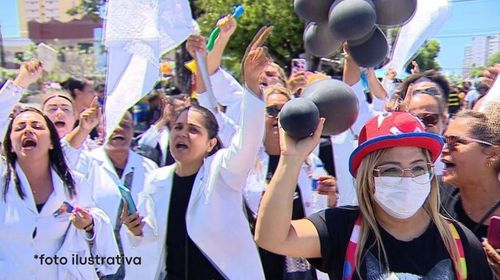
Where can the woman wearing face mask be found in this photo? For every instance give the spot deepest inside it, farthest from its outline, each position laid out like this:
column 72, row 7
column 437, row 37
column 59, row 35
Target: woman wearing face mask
column 396, row 232
column 194, row 208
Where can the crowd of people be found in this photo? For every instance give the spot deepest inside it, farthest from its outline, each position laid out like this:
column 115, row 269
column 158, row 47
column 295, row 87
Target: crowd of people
column 224, row 193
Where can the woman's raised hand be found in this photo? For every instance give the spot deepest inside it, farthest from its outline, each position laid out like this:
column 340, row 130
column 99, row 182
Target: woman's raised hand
column 300, row 148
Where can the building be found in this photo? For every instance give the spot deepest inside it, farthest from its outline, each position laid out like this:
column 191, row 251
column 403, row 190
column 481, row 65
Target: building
column 14, row 49
column 48, row 21
column 44, row 11
column 481, row 48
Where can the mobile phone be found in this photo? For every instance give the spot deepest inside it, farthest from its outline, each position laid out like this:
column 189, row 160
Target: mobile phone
column 494, row 232
column 127, row 196
column 298, row 65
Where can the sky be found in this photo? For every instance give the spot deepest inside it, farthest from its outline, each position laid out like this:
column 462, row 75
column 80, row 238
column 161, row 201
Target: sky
column 468, row 18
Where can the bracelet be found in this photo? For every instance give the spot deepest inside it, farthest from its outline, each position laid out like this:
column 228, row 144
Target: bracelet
column 89, row 227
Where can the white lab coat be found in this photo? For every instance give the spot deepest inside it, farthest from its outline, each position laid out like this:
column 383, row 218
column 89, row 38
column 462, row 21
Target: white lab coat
column 101, row 174
column 344, row 144
column 215, row 219
column 256, row 181
column 9, row 96
column 19, row 218
column 256, row 185
column 153, row 136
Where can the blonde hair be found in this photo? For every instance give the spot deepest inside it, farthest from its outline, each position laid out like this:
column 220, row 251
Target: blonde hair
column 281, row 74
column 364, row 190
column 277, row 89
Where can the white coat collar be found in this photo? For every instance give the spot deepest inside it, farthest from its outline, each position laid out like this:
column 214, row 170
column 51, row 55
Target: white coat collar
column 53, row 202
column 100, row 156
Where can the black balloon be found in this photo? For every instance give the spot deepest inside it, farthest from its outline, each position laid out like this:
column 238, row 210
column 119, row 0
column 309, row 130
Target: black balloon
column 352, row 19
column 299, row 117
column 319, row 41
column 370, row 52
column 313, row 10
column 394, row 12
column 336, row 102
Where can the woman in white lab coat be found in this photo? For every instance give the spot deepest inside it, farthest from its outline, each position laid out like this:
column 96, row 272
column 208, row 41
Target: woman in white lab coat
column 35, row 182
column 194, row 208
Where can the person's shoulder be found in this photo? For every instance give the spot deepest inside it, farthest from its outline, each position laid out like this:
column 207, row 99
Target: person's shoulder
column 160, row 174
column 343, row 215
column 449, row 196
column 476, row 260
column 147, row 163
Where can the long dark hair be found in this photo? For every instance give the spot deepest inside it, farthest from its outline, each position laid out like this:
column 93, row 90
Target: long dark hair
column 210, row 123
column 56, row 158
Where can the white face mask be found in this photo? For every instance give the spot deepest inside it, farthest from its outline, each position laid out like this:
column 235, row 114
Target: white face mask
column 401, row 197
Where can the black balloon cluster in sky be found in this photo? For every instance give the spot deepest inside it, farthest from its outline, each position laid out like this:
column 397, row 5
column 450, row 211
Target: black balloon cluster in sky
column 332, row 22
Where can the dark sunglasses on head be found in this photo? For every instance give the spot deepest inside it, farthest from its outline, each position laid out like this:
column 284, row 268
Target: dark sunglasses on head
column 428, row 119
column 273, row 111
column 453, row 140
column 430, row 91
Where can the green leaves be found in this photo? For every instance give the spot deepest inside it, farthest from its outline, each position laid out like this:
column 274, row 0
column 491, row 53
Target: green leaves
column 284, row 44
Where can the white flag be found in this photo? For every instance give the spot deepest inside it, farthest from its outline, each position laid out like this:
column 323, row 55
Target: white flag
column 428, row 19
column 136, row 33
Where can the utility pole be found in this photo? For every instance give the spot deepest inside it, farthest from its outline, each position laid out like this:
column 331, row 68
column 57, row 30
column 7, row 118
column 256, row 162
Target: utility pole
column 2, row 54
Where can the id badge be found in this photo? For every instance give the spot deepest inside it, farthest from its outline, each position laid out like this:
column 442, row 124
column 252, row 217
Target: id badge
column 63, row 212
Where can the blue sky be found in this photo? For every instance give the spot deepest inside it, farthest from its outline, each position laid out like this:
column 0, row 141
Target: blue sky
column 468, row 18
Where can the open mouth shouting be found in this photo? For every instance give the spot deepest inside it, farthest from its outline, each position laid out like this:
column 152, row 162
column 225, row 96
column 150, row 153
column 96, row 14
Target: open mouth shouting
column 449, row 166
column 181, row 146
column 28, row 143
column 118, row 138
column 60, row 124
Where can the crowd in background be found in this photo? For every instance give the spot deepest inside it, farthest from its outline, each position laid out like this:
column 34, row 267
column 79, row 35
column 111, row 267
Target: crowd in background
column 207, row 182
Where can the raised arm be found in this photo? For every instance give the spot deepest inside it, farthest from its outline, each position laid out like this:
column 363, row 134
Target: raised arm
column 275, row 231
column 12, row 91
column 238, row 158
column 89, row 119
column 352, row 73
column 375, row 85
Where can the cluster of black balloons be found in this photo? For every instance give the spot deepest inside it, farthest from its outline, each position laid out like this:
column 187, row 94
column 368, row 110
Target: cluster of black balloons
column 331, row 99
column 332, row 22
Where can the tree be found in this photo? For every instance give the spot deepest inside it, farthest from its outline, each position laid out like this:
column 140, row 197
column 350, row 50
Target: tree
column 494, row 59
column 476, row 72
column 426, row 58
column 284, row 43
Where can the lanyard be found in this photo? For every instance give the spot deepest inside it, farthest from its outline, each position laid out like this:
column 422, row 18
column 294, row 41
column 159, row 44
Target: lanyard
column 350, row 256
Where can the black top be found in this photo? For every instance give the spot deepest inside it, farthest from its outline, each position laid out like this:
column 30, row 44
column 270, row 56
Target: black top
column 40, row 206
column 451, row 206
column 425, row 256
column 184, row 258
column 274, row 264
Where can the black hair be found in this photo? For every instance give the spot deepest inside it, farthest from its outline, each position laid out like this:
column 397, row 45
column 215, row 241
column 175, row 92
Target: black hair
column 433, row 75
column 210, row 123
column 72, row 84
column 56, row 158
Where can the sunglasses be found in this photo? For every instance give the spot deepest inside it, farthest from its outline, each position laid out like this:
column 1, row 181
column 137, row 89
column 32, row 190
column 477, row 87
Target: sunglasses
column 453, row 140
column 430, row 91
column 273, row 111
column 428, row 119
